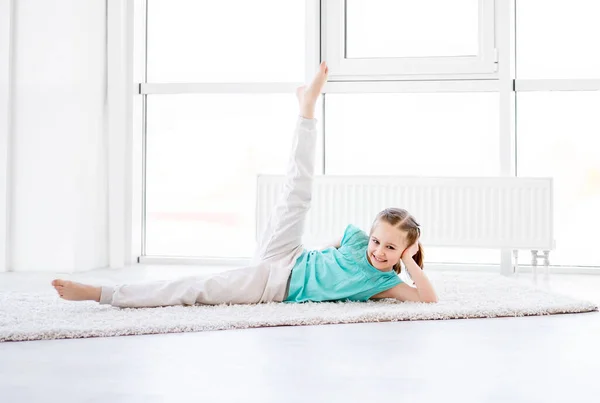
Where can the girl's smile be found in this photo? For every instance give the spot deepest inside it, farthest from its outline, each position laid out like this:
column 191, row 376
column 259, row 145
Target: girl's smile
column 379, row 260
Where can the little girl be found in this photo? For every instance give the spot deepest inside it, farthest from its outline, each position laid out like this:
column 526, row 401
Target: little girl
column 357, row 267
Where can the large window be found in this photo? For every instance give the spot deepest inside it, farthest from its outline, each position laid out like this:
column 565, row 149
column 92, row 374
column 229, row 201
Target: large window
column 221, row 108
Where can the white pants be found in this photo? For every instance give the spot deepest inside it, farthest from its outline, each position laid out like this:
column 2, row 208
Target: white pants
column 266, row 279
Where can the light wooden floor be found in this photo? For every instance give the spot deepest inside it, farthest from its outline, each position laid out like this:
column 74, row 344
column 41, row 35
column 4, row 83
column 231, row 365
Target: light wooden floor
column 533, row 359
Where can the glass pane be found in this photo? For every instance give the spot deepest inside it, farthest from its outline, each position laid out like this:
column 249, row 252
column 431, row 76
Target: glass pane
column 392, row 28
column 416, row 134
column 203, row 154
column 558, row 39
column 430, row 134
column 226, row 41
column 559, row 136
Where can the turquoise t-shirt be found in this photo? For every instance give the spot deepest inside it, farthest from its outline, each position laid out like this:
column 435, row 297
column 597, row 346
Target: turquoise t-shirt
column 339, row 274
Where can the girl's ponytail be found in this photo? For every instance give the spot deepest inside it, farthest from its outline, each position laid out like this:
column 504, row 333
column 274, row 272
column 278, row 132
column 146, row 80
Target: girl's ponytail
column 419, row 256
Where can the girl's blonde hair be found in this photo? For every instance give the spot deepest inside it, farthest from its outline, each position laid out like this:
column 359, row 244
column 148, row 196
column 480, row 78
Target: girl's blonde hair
column 405, row 222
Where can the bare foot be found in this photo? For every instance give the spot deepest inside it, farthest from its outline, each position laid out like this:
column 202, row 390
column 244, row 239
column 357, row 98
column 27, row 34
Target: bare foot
column 73, row 291
column 307, row 96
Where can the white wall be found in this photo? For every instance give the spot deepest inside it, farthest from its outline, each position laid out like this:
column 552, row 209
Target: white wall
column 6, row 11
column 58, row 149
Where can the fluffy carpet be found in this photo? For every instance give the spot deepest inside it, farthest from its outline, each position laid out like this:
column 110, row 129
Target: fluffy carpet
column 44, row 316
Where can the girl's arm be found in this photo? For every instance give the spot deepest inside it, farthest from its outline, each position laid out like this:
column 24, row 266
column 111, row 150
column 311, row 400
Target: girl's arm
column 423, row 292
column 424, row 286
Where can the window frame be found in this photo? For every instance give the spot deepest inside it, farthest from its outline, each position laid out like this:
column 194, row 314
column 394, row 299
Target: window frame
column 483, row 65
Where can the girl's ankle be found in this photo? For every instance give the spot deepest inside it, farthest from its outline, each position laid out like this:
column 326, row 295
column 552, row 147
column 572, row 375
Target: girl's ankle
column 308, row 113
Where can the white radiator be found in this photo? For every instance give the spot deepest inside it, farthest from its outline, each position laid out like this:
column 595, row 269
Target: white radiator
column 481, row 212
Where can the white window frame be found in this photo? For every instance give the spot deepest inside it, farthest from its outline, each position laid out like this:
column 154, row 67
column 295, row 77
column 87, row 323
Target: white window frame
column 484, row 64
column 121, row 120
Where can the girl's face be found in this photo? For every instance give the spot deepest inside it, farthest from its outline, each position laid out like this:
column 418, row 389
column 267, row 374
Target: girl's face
column 385, row 246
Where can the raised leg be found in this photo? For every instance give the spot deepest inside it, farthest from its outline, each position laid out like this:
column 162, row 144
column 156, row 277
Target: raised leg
column 285, row 227
column 282, row 236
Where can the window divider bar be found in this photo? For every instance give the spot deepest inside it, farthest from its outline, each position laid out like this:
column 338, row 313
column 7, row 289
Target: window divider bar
column 372, row 86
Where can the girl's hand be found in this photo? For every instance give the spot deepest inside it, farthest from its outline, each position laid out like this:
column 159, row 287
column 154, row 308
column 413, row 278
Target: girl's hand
column 410, row 251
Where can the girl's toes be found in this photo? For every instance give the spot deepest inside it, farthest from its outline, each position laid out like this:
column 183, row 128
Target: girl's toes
column 59, row 283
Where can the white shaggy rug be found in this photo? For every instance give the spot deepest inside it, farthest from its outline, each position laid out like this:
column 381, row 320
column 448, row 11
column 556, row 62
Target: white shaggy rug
column 43, row 316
